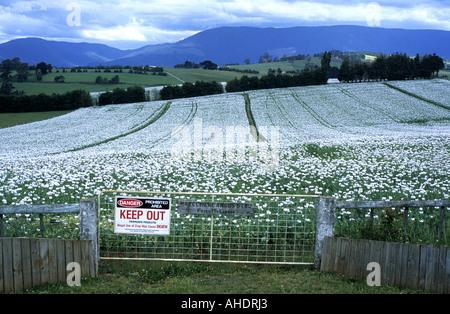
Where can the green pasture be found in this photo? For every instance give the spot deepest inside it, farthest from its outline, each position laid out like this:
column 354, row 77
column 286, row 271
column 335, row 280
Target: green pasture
column 86, row 80
column 294, row 65
column 12, row 119
column 193, row 75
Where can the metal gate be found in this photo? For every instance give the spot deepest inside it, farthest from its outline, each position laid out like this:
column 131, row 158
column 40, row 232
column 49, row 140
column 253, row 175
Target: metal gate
column 279, row 230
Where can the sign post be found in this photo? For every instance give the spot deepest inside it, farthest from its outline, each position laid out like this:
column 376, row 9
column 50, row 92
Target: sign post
column 142, row 215
column 215, row 208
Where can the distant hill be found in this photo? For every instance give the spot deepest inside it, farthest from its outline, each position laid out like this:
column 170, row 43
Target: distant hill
column 58, row 53
column 235, row 44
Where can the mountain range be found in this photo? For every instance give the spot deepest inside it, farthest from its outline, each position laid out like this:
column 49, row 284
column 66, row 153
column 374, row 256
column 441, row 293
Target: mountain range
column 225, row 45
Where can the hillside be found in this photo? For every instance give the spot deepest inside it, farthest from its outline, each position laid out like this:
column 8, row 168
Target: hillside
column 327, row 113
column 233, row 45
column 58, row 53
column 350, row 141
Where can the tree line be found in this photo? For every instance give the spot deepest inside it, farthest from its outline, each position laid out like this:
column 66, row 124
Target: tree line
column 42, row 102
column 398, row 66
column 315, row 76
column 123, row 96
column 393, row 67
column 199, row 88
column 206, row 65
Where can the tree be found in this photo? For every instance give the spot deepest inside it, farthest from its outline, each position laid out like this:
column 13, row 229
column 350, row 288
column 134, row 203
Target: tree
column 379, row 68
column 43, row 67
column 334, row 71
column 22, row 72
column 6, row 88
column 398, row 67
column 188, row 89
column 135, row 94
column 360, row 70
column 208, row 65
column 437, row 63
column 187, row 65
column 233, row 86
column 59, row 79
column 114, row 80
column 346, row 71
column 6, row 68
column 39, row 74
column 265, row 58
column 325, row 65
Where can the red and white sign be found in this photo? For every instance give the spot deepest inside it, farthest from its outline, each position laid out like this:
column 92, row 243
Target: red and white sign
column 142, row 215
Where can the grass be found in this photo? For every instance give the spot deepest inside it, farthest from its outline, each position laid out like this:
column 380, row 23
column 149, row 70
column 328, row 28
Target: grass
column 295, row 65
column 139, row 277
column 193, row 75
column 86, row 80
column 12, row 119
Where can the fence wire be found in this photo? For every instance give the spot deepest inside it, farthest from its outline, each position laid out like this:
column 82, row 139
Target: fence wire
column 280, row 230
column 57, row 226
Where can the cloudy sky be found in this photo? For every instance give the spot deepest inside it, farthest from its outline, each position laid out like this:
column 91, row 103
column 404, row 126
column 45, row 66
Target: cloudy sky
column 135, row 23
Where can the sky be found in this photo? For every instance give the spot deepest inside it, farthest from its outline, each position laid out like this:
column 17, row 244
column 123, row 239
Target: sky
column 129, row 24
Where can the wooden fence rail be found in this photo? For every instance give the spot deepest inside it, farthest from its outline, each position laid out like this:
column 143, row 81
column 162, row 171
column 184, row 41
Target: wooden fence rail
column 419, row 267
column 28, row 262
column 406, row 205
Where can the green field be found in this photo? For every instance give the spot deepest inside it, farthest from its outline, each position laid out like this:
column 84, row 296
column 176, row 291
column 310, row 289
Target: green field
column 193, row 75
column 294, row 65
column 12, row 119
column 86, row 80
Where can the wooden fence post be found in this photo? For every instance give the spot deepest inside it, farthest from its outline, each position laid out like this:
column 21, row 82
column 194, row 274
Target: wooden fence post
column 326, row 208
column 88, row 227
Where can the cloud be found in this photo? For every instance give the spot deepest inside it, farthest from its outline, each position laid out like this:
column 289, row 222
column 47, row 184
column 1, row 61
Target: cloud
column 130, row 23
column 130, row 32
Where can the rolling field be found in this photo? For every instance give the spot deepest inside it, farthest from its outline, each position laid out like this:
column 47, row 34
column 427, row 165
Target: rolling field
column 351, row 141
column 86, row 80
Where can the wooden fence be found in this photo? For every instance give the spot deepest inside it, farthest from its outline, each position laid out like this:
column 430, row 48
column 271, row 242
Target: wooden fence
column 28, row 262
column 420, row 267
column 405, row 205
column 404, row 265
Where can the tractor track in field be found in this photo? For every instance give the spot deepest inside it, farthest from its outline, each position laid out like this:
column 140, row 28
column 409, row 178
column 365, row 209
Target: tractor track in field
column 155, row 116
column 251, row 121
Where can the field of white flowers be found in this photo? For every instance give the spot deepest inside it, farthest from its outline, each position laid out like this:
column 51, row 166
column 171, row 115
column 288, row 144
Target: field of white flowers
column 351, row 141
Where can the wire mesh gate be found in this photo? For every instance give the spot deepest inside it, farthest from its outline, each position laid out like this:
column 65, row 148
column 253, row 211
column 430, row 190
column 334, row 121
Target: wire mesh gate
column 279, row 230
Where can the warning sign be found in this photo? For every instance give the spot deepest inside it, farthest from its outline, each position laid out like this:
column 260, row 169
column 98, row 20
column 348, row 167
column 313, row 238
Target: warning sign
column 142, row 215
